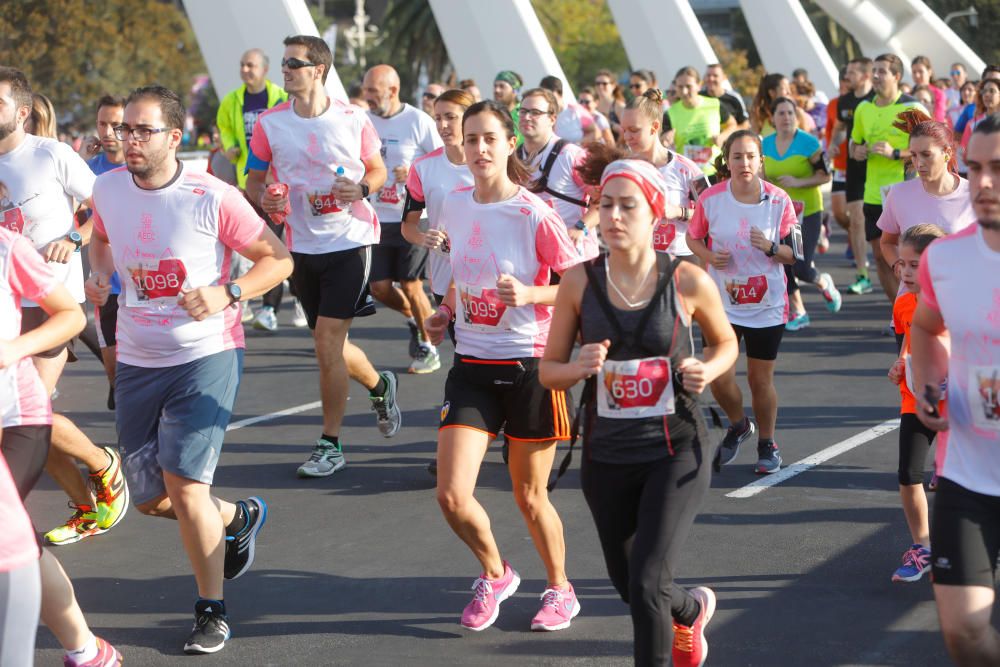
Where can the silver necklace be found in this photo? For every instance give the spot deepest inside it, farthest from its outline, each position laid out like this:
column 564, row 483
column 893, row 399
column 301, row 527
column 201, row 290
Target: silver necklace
column 629, row 303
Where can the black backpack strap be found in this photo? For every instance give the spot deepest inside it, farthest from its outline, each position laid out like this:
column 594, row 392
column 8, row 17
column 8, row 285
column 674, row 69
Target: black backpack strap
column 542, row 184
column 586, row 396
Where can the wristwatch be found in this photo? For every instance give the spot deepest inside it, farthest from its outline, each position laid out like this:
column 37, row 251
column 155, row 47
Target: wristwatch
column 75, row 237
column 896, row 154
column 773, row 250
column 364, row 190
column 234, row 292
column 581, row 225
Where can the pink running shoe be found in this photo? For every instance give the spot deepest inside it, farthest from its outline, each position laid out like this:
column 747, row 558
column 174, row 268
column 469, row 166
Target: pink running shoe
column 489, row 593
column 107, row 656
column 690, row 647
column 559, row 608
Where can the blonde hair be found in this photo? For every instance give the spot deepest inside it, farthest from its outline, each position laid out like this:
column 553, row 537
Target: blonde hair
column 649, row 105
column 43, row 117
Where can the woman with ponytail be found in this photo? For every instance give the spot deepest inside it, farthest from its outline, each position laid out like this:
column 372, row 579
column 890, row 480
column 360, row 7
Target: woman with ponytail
column 646, row 465
column 938, row 195
column 772, row 86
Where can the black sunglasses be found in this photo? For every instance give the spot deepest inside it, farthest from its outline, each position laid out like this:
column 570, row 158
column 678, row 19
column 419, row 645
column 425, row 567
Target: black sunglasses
column 430, row 96
column 295, row 63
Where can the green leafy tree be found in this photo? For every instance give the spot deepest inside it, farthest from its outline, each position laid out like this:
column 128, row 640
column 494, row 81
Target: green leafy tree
column 74, row 51
column 736, row 64
column 584, row 37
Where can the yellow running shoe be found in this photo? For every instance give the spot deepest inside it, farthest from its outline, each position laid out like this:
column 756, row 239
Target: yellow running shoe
column 111, row 492
column 82, row 524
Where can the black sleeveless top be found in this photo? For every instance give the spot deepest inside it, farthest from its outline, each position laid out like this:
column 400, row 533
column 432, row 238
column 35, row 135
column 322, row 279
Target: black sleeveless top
column 661, row 329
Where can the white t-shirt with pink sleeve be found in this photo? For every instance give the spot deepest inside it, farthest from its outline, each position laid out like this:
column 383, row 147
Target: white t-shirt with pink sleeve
column 908, row 204
column 431, row 178
column 24, row 275
column 304, row 153
column 573, row 122
column 681, row 175
column 520, row 236
column 38, row 182
column 752, row 285
column 566, row 180
column 959, row 279
column 178, row 237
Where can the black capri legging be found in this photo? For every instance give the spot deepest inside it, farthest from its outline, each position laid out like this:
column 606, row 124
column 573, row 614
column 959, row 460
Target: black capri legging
column 915, row 441
column 805, row 269
column 643, row 513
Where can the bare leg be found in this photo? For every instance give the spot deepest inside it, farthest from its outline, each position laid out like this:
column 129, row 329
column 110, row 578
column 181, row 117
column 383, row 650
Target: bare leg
column 763, row 395
column 460, row 453
column 330, row 338
column 530, row 464
column 915, row 508
column 886, row 276
column 60, row 611
column 964, row 612
column 392, row 296
column 419, row 303
column 728, row 395
column 359, row 367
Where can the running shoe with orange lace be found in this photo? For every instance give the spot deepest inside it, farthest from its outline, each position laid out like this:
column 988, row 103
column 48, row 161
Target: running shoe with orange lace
column 82, row 524
column 690, row 647
column 111, row 492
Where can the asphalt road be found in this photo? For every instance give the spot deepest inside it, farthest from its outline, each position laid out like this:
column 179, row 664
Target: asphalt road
column 360, row 568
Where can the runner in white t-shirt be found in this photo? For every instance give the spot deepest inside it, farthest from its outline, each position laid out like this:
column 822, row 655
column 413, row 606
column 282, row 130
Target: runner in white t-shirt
column 170, row 233
column 959, row 294
column 326, row 153
column 39, row 181
column 560, row 186
column 573, row 122
column 505, row 242
column 749, row 222
column 685, row 180
column 406, row 134
column 939, row 196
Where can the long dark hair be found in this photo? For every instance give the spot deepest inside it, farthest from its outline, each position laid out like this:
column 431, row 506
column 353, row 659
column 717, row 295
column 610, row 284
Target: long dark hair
column 516, row 170
column 722, row 160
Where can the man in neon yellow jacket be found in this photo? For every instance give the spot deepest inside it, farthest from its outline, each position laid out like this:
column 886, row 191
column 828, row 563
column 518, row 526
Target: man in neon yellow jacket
column 239, row 109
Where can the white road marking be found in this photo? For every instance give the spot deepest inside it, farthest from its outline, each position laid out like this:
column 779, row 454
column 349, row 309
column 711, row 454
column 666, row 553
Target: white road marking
column 305, row 407
column 809, row 462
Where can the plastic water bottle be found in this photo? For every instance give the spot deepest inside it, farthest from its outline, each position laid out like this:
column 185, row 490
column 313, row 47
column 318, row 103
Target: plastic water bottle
column 341, row 204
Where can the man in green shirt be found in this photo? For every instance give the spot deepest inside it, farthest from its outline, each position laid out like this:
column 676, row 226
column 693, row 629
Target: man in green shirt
column 506, row 88
column 885, row 148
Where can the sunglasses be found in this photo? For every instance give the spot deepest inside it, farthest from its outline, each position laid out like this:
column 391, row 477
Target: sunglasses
column 429, row 96
column 585, row 100
column 635, row 86
column 295, row 63
column 602, row 83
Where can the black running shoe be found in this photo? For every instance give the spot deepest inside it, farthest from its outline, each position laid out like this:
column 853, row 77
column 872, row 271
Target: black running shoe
column 736, row 435
column 414, row 341
column 240, row 547
column 210, row 631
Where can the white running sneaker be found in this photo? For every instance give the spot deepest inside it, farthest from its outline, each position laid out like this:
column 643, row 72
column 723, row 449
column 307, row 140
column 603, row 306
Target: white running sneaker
column 427, row 361
column 299, row 321
column 387, row 413
column 266, row 319
column 326, row 459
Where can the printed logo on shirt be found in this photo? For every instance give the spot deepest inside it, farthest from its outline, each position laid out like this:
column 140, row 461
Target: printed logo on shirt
column 13, row 217
column 146, row 233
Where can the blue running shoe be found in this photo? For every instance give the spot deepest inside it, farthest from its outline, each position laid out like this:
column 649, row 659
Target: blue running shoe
column 831, row 294
column 916, row 562
column 798, row 323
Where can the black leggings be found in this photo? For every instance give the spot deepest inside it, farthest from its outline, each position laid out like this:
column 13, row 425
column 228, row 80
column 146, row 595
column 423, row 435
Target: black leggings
column 643, row 513
column 915, row 441
column 26, row 448
column 805, row 269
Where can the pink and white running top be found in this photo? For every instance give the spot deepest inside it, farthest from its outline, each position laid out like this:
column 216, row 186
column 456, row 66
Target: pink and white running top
column 23, row 275
column 431, row 178
column 752, row 285
column 573, row 122
column 908, row 204
column 958, row 279
column 18, row 546
column 305, row 153
column 520, row 236
column 565, row 179
column 681, row 174
column 164, row 241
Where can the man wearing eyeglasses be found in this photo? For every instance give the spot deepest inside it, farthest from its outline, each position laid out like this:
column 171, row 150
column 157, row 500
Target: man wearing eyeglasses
column 406, row 135
column 327, row 153
column 171, row 233
column 430, row 94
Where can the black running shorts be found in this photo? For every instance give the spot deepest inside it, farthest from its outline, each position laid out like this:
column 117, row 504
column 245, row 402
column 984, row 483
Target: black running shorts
column 762, row 343
column 490, row 394
column 965, row 536
column 33, row 317
column 107, row 321
column 857, row 172
column 334, row 284
column 395, row 258
column 872, row 213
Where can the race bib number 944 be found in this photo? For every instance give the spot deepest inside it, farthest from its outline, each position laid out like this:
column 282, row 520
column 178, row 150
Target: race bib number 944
column 635, row 388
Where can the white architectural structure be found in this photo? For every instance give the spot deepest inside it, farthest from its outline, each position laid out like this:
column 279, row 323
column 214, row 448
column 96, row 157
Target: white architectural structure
column 662, row 35
column 484, row 37
column 786, row 39
column 225, row 29
column 907, row 28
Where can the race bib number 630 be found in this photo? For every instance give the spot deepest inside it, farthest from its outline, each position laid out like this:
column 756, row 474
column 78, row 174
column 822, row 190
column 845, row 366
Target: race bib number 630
column 635, row 388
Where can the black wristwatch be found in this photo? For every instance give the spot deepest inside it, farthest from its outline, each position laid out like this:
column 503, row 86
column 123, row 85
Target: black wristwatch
column 75, row 237
column 581, row 225
column 364, row 190
column 896, row 154
column 773, row 250
column 234, row 292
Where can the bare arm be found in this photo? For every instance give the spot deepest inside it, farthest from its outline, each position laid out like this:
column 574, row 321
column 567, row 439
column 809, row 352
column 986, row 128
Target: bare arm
column 556, row 370
column 929, row 361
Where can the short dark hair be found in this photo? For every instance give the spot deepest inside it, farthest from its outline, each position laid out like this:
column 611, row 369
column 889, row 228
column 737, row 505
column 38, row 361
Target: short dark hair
column 894, row 62
column 988, row 125
column 317, row 51
column 799, row 71
column 20, row 89
column 169, row 101
column 552, row 83
column 864, row 63
column 108, row 100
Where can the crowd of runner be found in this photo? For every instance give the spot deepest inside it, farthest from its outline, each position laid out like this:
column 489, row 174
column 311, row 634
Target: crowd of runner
column 566, row 242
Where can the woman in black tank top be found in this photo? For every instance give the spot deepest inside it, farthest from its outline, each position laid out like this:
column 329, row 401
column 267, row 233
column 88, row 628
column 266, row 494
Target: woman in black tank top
column 647, row 455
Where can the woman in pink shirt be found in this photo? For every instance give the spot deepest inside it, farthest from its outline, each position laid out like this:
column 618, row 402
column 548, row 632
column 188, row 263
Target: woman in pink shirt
column 923, row 74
